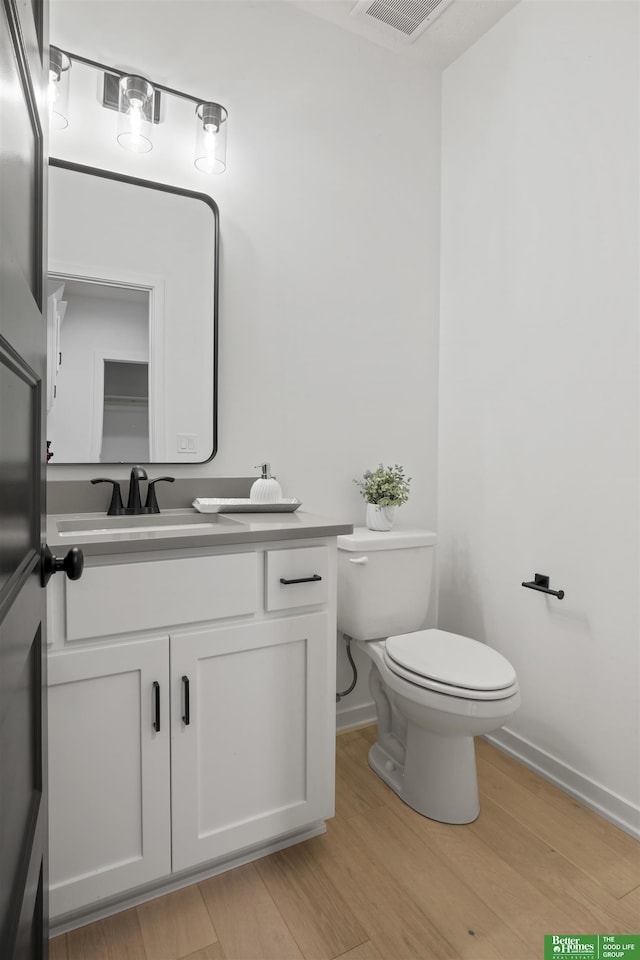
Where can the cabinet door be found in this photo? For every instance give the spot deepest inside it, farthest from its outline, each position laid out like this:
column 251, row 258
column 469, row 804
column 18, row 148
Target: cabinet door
column 253, row 759
column 109, row 771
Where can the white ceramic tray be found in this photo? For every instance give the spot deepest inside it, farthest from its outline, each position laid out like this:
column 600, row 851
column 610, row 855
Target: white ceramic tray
column 243, row 505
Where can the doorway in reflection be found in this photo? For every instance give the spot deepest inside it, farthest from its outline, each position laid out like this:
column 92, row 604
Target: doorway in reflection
column 100, row 405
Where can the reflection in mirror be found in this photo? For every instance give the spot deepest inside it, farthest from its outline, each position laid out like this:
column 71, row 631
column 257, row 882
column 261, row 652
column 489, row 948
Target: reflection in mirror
column 131, row 320
column 125, row 405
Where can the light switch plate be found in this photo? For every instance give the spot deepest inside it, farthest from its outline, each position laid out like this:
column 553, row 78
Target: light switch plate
column 187, row 443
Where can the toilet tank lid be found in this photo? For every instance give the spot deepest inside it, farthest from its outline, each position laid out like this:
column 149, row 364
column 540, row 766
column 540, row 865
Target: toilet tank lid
column 363, row 539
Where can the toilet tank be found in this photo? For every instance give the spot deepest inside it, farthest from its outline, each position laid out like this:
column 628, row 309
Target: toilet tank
column 384, row 581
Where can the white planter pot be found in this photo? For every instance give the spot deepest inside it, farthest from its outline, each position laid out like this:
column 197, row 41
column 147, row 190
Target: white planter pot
column 379, row 518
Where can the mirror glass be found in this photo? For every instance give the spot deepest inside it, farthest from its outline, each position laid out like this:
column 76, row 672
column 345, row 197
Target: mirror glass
column 131, row 320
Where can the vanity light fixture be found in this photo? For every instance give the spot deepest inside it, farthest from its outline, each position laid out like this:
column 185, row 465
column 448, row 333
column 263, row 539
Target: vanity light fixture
column 58, row 90
column 137, row 101
column 135, row 114
column 211, row 138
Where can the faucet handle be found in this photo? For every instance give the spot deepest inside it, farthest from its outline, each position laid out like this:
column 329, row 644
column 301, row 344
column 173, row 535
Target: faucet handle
column 151, row 506
column 116, row 507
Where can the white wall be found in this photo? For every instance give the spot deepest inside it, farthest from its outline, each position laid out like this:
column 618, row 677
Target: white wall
column 538, row 458
column 329, row 220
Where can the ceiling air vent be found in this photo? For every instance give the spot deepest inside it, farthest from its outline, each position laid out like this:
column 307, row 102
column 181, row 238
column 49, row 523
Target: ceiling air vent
column 404, row 19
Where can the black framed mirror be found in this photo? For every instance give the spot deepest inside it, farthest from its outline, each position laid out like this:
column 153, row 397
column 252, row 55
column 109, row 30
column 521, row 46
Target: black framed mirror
column 132, row 319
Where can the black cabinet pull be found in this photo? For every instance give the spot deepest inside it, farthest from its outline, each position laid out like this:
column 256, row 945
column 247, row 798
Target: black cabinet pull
column 312, row 579
column 186, row 716
column 156, row 696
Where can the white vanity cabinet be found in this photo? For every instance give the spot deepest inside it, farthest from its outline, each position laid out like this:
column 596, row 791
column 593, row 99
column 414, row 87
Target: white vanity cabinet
column 240, row 665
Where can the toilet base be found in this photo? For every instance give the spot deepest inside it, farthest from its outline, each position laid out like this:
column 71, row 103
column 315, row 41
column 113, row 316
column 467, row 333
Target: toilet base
column 438, row 777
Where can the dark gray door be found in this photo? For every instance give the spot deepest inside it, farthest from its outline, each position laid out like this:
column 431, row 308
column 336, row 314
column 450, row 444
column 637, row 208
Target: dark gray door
column 23, row 815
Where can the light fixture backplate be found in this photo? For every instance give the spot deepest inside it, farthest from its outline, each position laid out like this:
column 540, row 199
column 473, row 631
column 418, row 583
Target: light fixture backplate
column 111, row 95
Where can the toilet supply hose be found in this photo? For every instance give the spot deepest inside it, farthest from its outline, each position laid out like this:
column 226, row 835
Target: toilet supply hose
column 344, row 693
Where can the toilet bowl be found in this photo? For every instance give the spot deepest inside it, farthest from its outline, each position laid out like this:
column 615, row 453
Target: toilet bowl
column 434, row 691
column 431, row 765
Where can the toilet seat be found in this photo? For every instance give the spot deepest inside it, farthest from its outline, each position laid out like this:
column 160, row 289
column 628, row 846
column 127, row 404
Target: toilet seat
column 451, row 664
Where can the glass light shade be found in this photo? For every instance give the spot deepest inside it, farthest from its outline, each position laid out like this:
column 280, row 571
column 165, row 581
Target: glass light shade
column 58, row 91
column 135, row 114
column 211, row 138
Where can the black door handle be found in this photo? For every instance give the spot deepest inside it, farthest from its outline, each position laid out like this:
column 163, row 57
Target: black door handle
column 186, row 716
column 72, row 564
column 156, row 706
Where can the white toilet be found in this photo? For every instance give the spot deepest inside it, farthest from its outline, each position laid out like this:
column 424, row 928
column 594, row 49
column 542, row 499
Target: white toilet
column 434, row 691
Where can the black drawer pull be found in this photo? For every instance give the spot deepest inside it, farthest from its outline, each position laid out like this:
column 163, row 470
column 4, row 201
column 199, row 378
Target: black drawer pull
column 312, row 579
column 156, row 697
column 186, row 716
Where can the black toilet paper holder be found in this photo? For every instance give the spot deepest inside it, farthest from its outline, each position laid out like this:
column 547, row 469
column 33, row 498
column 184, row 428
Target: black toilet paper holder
column 541, row 583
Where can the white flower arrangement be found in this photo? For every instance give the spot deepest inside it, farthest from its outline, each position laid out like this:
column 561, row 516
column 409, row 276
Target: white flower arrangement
column 386, row 486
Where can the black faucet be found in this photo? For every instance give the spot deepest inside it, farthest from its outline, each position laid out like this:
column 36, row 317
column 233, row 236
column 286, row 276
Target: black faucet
column 134, row 504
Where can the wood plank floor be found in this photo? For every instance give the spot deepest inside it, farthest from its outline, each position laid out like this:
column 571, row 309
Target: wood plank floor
column 385, row 883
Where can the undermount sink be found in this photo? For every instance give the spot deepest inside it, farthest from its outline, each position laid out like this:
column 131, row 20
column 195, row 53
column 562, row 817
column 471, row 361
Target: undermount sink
column 145, row 523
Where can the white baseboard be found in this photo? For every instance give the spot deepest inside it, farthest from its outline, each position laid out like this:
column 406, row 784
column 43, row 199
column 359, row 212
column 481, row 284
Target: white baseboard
column 347, row 717
column 608, row 804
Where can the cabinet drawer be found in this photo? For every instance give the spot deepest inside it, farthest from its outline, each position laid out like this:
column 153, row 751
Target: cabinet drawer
column 305, row 568
column 127, row 597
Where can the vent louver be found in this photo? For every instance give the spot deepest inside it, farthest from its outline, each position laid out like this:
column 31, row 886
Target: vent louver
column 407, row 18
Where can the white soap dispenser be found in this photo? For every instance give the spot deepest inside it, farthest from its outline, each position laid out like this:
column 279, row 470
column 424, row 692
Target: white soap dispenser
column 266, row 489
